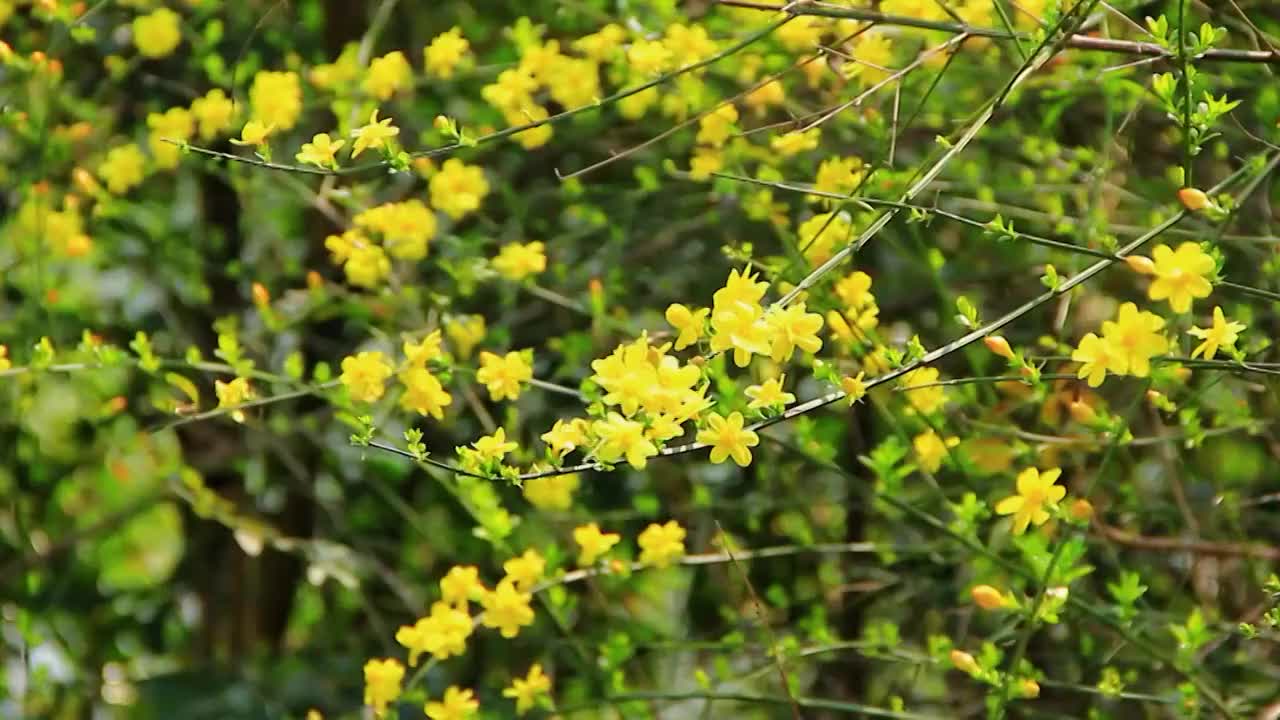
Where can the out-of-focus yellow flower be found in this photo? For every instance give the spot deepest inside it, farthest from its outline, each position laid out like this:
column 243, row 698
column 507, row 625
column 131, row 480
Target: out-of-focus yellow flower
column 320, row 151
column 157, row 34
column 517, row 261
column 123, row 168
column 661, row 545
column 388, row 75
column 176, row 125
column 213, row 112
column 593, row 543
column 365, row 375
column 446, row 52
column 276, row 98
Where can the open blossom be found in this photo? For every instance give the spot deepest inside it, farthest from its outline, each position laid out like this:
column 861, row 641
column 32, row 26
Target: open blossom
column 493, row 447
column 446, row 53
column 689, row 323
column 507, row 609
column 769, row 394
column 526, row 570
column 1037, row 495
column 517, row 261
column 382, row 683
column 1136, row 338
column 388, row 75
column 791, row 328
column 442, row 634
column 365, row 375
column 158, row 33
column 373, row 134
column 504, row 375
column 660, row 545
column 457, row 704
column 526, row 691
column 1182, row 275
column 553, row 492
column 320, row 151
column 622, row 438
column 458, row 188
column 424, row 394
column 460, row 584
column 932, row 449
column 1095, row 356
column 728, row 438
column 593, row 543
column 1221, row 334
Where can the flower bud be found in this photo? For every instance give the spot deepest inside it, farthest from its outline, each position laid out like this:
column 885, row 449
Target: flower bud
column 314, row 281
column 1193, row 199
column 1081, row 510
column 441, row 123
column 1081, row 412
column 987, row 597
column 260, row 294
column 1140, row 264
column 965, row 662
column 1029, row 688
column 999, row 346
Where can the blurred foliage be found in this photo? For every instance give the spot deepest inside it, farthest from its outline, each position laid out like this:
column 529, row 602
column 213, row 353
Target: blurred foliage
column 255, row 392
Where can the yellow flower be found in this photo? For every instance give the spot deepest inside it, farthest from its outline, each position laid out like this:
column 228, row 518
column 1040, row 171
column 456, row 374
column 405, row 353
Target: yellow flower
column 1095, row 356
column 818, row 236
column 320, row 151
column 123, row 168
column 382, row 680
column 740, row 326
column 1221, row 335
column 1037, row 494
column 174, row 124
column 931, row 449
column 365, row 375
column 231, row 394
column 507, row 609
column 871, row 57
column 534, row 137
column 504, row 375
column 445, row 53
column 965, row 662
column 516, row 261
column 564, row 437
column 690, row 323
column 795, row 142
column 769, row 394
column 423, row 393
column 460, row 584
column 791, row 328
column 276, row 98
column 593, row 543
column 406, row 227
column 1136, row 338
column 853, row 387
column 458, row 188
column 802, row 33
column 704, row 163
column 648, row 57
column 619, row 438
column 457, row 704
column 388, row 75
column 660, row 545
column 602, row 44
column 1181, row 276
column 854, row 290
column 5, row 362
column 688, row 43
column 926, row 400
column 423, row 351
column 716, row 127
column 838, row 176
column 525, row 571
column 526, row 691
column 373, row 134
column 493, row 447
column 465, row 332
column 367, row 265
column 442, row 634
column 574, row 82
column 214, row 112
column 728, row 438
column 768, row 95
column 254, row 133
column 157, row 34
column 511, row 92
column 553, row 492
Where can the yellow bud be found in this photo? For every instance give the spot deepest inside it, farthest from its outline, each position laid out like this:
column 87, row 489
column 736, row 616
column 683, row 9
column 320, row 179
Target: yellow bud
column 1081, row 412
column 965, row 662
column 1029, row 688
column 314, row 281
column 85, row 181
column 1081, row 510
column 260, row 294
column 999, row 346
column 1154, row 397
column 1193, row 199
column 1140, row 264
column 987, row 597
column 441, row 123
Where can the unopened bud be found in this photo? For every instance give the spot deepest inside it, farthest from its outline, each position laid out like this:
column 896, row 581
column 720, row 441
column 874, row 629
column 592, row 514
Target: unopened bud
column 987, row 597
column 441, row 123
column 314, row 281
column 1193, row 199
column 965, row 662
column 1081, row 412
column 999, row 346
column 1029, row 688
column 1140, row 264
column 260, row 294
column 1081, row 510
column 85, row 181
